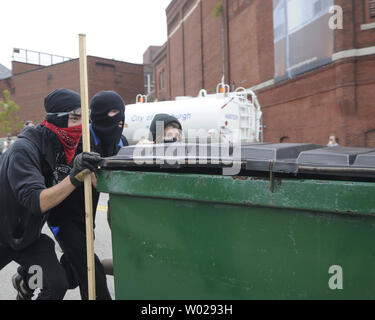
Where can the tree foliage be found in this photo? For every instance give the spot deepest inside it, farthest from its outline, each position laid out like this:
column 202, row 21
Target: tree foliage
column 218, row 10
column 9, row 121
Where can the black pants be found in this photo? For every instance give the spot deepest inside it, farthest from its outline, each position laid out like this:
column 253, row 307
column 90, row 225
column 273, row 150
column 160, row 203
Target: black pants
column 72, row 240
column 41, row 253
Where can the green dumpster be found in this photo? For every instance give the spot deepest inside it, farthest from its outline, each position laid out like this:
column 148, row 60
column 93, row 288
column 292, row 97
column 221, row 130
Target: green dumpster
column 296, row 222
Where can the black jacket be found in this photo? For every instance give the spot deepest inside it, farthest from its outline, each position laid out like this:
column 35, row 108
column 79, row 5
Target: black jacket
column 73, row 207
column 26, row 169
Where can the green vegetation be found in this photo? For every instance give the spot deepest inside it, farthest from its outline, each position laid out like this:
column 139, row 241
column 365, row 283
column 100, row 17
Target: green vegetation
column 9, row 121
column 218, row 10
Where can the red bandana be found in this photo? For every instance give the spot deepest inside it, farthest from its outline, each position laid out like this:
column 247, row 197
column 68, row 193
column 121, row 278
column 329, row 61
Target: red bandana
column 69, row 137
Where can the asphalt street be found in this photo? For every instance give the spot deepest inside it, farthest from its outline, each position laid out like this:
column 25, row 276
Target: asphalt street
column 103, row 248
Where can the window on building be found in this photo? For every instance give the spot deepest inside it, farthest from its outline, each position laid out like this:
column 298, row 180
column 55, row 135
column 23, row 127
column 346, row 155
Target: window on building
column 302, row 38
column 372, row 8
column 161, row 80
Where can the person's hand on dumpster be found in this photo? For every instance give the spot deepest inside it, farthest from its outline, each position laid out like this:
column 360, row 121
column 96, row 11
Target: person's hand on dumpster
column 84, row 163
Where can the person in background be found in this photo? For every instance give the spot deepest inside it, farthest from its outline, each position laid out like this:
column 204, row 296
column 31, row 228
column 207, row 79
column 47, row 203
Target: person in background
column 333, row 141
column 7, row 143
column 171, row 130
column 29, row 123
column 29, row 190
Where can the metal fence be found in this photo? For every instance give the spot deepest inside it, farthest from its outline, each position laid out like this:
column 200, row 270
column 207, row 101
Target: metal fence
column 35, row 57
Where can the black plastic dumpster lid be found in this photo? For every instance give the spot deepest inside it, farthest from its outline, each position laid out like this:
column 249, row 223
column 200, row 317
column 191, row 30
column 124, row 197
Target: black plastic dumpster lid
column 365, row 160
column 286, row 158
column 331, row 156
column 176, row 155
column 338, row 161
column 280, row 157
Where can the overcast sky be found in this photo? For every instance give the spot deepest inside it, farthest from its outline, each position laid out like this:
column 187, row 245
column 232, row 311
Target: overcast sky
column 115, row 29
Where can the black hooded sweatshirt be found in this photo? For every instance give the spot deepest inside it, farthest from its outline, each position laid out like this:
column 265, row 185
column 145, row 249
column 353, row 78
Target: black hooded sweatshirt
column 26, row 169
column 165, row 119
column 71, row 208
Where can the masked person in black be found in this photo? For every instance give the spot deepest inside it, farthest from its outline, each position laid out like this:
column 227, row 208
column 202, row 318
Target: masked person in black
column 164, row 128
column 30, row 188
column 108, row 117
column 107, row 123
column 67, row 221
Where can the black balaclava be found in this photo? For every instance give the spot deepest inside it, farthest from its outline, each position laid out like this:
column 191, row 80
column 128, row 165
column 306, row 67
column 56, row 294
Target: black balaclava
column 166, row 119
column 58, row 101
column 104, row 126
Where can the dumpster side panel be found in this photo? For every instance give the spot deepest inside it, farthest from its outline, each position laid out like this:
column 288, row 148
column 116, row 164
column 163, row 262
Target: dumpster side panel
column 168, row 248
column 313, row 195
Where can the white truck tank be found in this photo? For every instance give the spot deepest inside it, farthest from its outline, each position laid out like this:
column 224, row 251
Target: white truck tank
column 235, row 117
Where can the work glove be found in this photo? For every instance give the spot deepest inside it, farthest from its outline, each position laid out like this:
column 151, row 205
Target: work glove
column 84, row 163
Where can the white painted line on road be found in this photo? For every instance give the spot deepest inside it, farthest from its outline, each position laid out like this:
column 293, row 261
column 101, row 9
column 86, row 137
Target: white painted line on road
column 102, row 208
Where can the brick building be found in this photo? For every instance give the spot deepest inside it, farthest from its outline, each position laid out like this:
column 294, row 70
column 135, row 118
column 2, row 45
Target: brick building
column 311, row 80
column 149, row 72
column 30, row 83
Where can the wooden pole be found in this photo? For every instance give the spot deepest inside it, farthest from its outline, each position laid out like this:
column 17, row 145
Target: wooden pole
column 87, row 182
